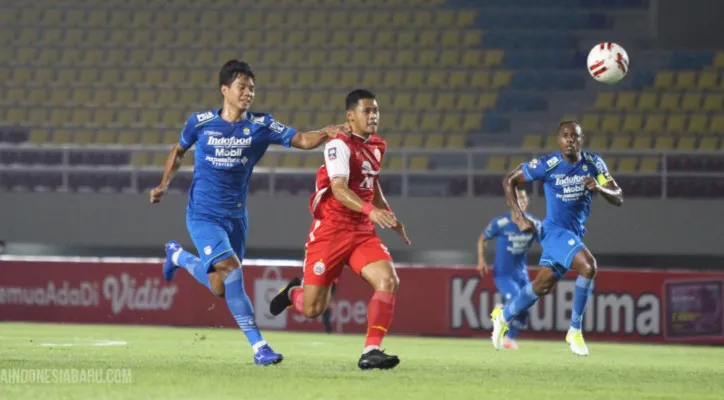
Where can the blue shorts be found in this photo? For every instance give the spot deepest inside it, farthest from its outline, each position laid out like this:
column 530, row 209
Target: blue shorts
column 217, row 238
column 559, row 247
column 510, row 283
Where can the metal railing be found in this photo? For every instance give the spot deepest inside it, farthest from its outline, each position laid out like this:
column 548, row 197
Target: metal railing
column 458, row 164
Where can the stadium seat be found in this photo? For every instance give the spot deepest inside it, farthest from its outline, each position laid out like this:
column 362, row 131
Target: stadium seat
column 604, row 101
column 626, row 101
column 649, row 164
column 496, row 164
column 531, row 142
column 709, row 143
column 647, row 101
column 664, row 80
column 455, row 141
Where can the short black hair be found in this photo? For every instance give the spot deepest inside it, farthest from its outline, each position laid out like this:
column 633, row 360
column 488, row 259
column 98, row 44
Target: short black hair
column 232, row 69
column 573, row 121
column 355, row 96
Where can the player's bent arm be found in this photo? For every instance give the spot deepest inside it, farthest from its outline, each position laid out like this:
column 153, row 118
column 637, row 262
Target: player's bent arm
column 481, row 249
column 173, row 163
column 612, row 193
column 379, row 200
column 345, row 195
column 510, row 182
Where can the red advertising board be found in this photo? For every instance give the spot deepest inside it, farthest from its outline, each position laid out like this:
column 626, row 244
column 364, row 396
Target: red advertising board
column 627, row 306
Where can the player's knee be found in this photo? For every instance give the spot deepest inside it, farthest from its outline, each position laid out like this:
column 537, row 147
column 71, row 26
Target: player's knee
column 217, row 285
column 590, row 268
column 542, row 287
column 314, row 309
column 387, row 283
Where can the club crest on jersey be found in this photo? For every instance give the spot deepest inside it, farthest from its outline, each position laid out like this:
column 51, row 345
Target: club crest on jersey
column 585, row 167
column 378, row 154
column 318, row 268
column 246, row 131
column 332, row 153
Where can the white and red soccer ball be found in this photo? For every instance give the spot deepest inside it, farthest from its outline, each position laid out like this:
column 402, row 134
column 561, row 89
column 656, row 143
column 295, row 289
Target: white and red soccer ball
column 607, row 62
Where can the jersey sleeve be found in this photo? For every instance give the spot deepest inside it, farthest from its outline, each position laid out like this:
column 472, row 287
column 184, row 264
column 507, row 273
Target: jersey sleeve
column 279, row 133
column 189, row 134
column 336, row 158
column 535, row 169
column 603, row 176
column 492, row 230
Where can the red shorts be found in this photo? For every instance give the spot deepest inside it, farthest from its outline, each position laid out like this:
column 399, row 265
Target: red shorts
column 328, row 250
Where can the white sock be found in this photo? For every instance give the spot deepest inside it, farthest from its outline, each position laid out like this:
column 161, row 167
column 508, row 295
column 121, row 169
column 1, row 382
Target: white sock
column 370, row 348
column 258, row 345
column 174, row 257
column 572, row 329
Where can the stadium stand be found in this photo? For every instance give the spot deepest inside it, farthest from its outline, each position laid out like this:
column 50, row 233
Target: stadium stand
column 449, row 75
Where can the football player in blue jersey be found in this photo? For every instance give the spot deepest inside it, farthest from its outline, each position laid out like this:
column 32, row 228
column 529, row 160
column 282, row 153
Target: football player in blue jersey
column 229, row 142
column 570, row 179
column 510, row 269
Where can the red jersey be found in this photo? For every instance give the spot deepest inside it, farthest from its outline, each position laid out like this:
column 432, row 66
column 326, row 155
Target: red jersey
column 357, row 159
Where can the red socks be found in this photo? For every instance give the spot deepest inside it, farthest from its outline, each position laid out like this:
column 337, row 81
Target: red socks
column 379, row 317
column 297, row 297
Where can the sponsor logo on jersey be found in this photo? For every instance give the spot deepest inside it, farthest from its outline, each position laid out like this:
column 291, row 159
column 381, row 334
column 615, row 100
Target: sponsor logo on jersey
column 229, row 142
column 533, row 163
column 378, row 154
column 552, row 161
column 277, row 127
column 213, row 133
column 204, row 116
column 570, row 180
column 258, row 120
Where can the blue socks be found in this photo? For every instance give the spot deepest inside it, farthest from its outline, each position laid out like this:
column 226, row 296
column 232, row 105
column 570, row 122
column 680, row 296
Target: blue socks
column 522, row 302
column 518, row 323
column 584, row 289
column 193, row 264
column 241, row 308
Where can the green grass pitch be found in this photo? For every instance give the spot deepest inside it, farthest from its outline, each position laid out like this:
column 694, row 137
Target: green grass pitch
column 194, row 363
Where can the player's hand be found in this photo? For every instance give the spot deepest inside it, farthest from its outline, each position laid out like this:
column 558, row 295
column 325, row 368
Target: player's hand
column 400, row 229
column 333, row 130
column 524, row 224
column 591, row 184
column 157, row 193
column 483, row 268
column 383, row 218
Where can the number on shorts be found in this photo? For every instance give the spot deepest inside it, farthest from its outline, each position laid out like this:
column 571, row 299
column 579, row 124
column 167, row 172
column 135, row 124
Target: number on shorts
column 384, row 248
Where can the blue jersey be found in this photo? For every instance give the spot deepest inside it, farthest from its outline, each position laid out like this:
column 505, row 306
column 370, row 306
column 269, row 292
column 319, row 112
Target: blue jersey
column 512, row 245
column 568, row 202
column 225, row 156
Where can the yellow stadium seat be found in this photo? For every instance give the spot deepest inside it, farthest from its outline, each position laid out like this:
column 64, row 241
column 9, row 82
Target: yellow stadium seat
column 62, row 136
column 707, row 80
column 488, row 100
column 402, row 101
column 159, row 159
column 59, row 117
column 436, row 79
column 676, row 122
column 472, row 58
column 501, row 79
column 515, row 161
column 632, row 122
column 698, row 123
column 140, row 159
column 627, row 164
column 686, row 80
column 434, row 141
column 709, row 143
column 269, row 160
column 531, row 142
column 83, row 137
column 717, row 124
column 413, row 140
column 106, row 137
column 713, row 102
column 664, row 80
column 626, row 101
column 466, row 101
column 427, row 58
column 323, row 118
column 621, row 142
column 419, row 162
column 480, row 80
column 664, row 142
column 654, row 123
column 458, row 79
column 473, row 38
column 495, row 164
column 472, row 121
column 642, row 142
column 430, row 121
column 686, row 143
column 493, row 58
column 395, row 163
column 669, row 102
column 599, row 141
column 39, row 136
column 406, row 39
column 604, row 101
column 590, row 122
column 394, row 140
column 611, row 123
column 552, row 142
column 445, row 101
column 719, row 59
column 413, row 79
column 449, row 58
column 649, row 164
column 455, row 141
column 150, row 137
column 691, row 102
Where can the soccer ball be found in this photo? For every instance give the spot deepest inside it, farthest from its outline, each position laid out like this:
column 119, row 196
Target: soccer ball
column 607, row 62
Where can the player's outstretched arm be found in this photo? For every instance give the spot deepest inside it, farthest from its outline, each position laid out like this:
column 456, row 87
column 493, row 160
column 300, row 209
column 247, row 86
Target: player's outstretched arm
column 609, row 190
column 173, row 163
column 349, row 199
column 510, row 182
column 482, row 267
column 313, row 139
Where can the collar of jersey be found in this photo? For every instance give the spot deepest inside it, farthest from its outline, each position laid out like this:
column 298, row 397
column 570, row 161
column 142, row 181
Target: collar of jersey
column 246, row 117
column 362, row 138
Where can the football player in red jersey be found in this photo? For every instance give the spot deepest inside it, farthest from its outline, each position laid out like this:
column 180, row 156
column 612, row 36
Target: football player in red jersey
column 346, row 205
